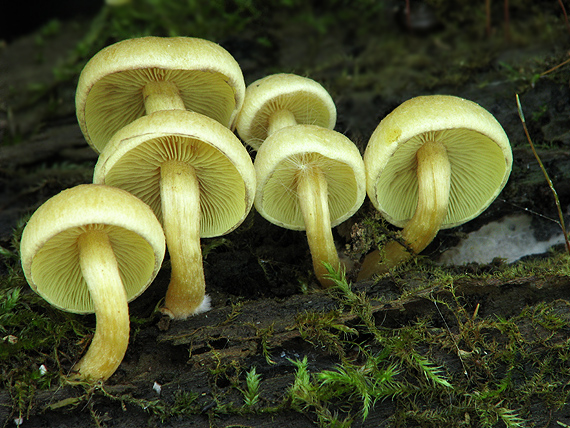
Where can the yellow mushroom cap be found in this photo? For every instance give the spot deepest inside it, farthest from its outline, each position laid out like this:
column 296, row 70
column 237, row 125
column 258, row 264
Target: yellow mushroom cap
column 50, row 254
column 110, row 88
column 223, row 166
column 286, row 151
column 306, row 99
column 477, row 147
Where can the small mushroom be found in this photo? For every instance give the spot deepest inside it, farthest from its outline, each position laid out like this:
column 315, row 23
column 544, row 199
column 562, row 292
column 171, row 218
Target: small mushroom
column 196, row 176
column 94, row 248
column 310, row 178
column 134, row 77
column 435, row 162
column 280, row 100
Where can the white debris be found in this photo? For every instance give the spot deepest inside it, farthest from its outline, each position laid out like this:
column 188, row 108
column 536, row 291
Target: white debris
column 510, row 238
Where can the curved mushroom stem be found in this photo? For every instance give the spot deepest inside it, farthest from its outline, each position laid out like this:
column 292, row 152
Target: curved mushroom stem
column 162, row 95
column 280, row 119
column 180, row 198
column 101, row 273
column 312, row 190
column 434, row 177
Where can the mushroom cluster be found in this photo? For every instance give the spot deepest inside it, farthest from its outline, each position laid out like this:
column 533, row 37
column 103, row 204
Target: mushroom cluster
column 161, row 114
column 310, row 177
column 158, row 111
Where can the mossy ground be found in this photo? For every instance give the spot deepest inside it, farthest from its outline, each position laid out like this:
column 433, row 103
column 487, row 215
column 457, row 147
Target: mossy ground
column 476, row 345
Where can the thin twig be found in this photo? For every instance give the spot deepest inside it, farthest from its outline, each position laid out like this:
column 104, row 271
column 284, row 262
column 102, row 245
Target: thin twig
column 488, row 17
column 548, row 180
column 565, row 15
column 544, row 73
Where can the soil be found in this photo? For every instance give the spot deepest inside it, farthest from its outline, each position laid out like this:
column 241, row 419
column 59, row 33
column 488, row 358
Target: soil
column 260, row 276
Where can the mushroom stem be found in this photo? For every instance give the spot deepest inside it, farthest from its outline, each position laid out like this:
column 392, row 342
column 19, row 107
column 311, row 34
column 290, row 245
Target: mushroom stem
column 434, row 177
column 280, row 119
column 312, row 190
column 101, row 273
column 162, row 95
column 180, row 198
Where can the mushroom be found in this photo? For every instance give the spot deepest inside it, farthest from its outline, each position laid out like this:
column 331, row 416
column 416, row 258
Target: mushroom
column 94, row 248
column 310, row 178
column 280, row 100
column 134, row 77
column 435, row 162
column 196, row 176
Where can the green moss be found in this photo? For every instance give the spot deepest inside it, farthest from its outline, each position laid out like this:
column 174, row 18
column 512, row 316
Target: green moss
column 35, row 342
column 326, row 330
